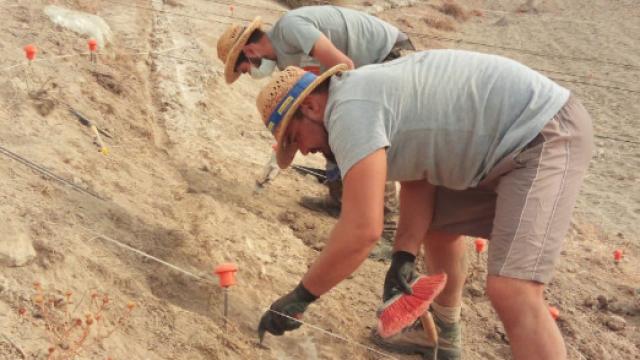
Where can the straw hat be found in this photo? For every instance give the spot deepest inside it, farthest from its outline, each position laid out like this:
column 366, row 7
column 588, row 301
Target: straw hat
column 279, row 100
column 230, row 46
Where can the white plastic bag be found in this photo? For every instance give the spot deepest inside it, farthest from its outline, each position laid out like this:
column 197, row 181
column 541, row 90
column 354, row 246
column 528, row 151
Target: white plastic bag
column 82, row 23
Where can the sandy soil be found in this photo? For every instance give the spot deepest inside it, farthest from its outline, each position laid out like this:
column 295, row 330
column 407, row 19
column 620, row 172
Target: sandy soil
column 186, row 149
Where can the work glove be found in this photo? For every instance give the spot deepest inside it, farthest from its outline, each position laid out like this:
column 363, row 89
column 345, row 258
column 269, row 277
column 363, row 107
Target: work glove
column 293, row 304
column 400, row 275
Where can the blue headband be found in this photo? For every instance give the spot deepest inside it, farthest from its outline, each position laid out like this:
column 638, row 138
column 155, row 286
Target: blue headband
column 285, row 104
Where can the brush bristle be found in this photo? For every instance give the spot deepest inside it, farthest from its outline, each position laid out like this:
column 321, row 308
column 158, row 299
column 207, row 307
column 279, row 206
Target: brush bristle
column 403, row 311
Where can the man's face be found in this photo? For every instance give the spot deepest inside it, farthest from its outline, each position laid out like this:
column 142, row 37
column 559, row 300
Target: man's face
column 243, row 65
column 252, row 53
column 307, row 128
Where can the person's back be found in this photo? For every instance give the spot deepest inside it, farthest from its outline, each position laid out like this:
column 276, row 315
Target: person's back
column 365, row 39
column 490, row 108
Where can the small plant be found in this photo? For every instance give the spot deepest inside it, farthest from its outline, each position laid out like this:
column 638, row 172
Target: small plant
column 67, row 333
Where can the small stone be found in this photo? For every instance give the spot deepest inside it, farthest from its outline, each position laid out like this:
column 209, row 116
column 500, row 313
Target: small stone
column 503, row 21
column 309, row 225
column 243, row 211
column 589, row 302
column 475, row 291
column 16, row 248
column 287, row 217
column 603, row 303
column 616, row 323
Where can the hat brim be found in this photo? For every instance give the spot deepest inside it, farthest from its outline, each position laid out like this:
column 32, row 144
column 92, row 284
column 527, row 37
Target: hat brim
column 230, row 73
column 286, row 152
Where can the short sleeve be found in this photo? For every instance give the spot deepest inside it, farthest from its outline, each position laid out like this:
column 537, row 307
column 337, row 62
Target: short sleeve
column 298, row 33
column 357, row 128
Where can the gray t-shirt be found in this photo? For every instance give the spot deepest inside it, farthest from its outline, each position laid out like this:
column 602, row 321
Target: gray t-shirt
column 365, row 39
column 447, row 116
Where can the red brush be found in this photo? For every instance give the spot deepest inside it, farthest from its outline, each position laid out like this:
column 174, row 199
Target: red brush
column 402, row 310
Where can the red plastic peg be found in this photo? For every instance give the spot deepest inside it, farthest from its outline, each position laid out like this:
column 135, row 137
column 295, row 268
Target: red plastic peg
column 480, row 244
column 226, row 274
column 617, row 255
column 93, row 45
column 30, row 51
column 555, row 313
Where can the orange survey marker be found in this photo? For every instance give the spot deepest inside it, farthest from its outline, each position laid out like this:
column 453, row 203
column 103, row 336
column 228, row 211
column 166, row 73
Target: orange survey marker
column 93, row 45
column 30, row 52
column 480, row 244
column 617, row 255
column 226, row 274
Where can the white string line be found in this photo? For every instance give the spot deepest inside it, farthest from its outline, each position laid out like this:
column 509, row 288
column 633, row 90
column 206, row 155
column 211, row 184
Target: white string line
column 98, row 53
column 327, row 332
column 45, row 59
column 42, row 170
column 144, row 254
column 97, row 235
column 541, row 16
column 162, row 53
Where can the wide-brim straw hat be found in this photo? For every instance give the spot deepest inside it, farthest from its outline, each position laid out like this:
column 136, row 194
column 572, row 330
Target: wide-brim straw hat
column 278, row 101
column 230, row 46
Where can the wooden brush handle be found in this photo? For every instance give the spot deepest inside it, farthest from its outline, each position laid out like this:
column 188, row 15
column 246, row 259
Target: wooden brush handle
column 429, row 327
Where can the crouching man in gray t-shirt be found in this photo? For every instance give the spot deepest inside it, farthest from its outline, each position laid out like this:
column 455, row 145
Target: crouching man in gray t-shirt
column 320, row 37
column 327, row 35
column 482, row 146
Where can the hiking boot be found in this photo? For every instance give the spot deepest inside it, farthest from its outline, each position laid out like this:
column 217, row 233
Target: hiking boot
column 321, row 204
column 413, row 340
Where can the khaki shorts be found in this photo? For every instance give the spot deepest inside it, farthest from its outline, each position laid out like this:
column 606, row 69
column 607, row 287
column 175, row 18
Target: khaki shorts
column 525, row 203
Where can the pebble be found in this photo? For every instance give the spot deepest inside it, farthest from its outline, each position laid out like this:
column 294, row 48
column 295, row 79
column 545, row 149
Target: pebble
column 475, row 291
column 288, row 217
column 616, row 323
column 589, row 302
column 603, row 303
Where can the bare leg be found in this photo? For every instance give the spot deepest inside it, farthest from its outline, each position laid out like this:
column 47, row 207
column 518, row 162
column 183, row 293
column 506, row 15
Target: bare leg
column 445, row 252
column 520, row 305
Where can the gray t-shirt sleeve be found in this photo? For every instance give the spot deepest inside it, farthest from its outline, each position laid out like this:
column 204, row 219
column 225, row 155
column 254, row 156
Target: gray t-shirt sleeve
column 298, row 33
column 356, row 129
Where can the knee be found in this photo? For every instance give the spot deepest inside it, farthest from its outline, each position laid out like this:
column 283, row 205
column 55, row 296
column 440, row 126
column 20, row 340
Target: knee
column 507, row 293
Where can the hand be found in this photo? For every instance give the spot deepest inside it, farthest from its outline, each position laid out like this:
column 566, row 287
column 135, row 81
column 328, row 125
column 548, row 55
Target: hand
column 400, row 275
column 293, row 305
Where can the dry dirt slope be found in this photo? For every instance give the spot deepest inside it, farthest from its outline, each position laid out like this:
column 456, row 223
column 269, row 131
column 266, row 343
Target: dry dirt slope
column 179, row 184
